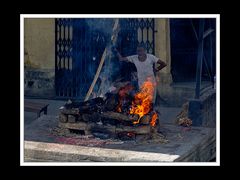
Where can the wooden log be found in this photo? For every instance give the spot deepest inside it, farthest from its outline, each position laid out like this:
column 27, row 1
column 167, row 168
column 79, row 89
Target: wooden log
column 94, row 117
column 110, row 129
column 76, row 126
column 84, row 104
column 89, row 106
column 146, row 129
column 63, row 118
column 133, row 117
column 118, row 116
column 72, row 111
column 86, row 117
column 111, row 102
column 72, row 119
column 89, row 127
column 107, row 129
column 145, row 119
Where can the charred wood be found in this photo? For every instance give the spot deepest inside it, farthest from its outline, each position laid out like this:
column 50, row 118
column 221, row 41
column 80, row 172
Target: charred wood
column 63, row 118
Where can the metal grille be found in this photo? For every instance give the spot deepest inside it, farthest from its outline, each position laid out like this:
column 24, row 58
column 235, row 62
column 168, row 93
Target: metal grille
column 63, row 54
column 79, row 50
column 137, row 31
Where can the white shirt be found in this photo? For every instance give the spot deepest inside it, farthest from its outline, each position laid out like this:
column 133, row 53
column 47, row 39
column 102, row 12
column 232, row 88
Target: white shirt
column 145, row 68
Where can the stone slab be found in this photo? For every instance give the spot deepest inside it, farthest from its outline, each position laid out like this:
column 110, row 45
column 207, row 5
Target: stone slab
column 185, row 145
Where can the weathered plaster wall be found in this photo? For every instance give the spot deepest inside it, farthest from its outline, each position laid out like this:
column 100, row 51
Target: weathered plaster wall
column 39, row 56
column 39, row 42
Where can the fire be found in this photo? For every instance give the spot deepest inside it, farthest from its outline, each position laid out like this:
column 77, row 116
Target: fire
column 142, row 102
column 122, row 95
column 154, row 119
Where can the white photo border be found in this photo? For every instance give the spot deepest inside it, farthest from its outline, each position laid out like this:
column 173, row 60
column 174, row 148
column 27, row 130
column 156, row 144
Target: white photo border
column 216, row 16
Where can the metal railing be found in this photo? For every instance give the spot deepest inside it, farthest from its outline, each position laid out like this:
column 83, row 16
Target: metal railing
column 201, row 58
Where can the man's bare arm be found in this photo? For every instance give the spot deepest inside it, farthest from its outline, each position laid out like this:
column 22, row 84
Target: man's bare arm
column 162, row 64
column 121, row 58
column 115, row 51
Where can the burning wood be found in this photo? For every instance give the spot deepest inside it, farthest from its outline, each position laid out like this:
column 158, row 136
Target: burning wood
column 142, row 103
column 124, row 97
column 124, row 113
column 154, row 119
column 118, row 116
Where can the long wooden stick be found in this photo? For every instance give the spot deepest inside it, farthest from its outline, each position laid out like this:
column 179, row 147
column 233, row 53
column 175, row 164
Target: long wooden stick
column 113, row 40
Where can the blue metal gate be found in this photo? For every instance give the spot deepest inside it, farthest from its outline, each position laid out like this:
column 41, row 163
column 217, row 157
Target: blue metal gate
column 79, row 44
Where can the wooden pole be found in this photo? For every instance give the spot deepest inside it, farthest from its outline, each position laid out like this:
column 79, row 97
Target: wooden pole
column 113, row 40
column 199, row 59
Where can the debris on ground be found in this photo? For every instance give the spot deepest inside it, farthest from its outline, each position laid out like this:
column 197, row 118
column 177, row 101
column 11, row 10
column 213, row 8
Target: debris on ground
column 81, row 141
column 179, row 136
column 158, row 138
column 152, row 138
column 184, row 112
column 186, row 122
column 66, row 137
column 182, row 117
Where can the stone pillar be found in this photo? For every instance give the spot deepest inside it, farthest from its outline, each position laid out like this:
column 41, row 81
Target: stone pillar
column 39, row 57
column 162, row 49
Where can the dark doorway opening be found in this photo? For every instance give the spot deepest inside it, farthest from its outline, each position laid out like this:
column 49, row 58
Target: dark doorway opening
column 184, row 45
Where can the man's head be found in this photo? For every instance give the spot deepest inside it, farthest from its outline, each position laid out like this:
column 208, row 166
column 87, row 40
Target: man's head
column 141, row 50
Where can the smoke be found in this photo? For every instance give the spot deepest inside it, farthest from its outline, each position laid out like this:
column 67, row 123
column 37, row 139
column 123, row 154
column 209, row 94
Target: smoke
column 110, row 67
column 109, row 70
column 103, row 25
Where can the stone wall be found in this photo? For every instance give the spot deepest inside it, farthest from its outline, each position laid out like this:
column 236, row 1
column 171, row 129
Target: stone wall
column 39, row 83
column 175, row 95
column 203, row 111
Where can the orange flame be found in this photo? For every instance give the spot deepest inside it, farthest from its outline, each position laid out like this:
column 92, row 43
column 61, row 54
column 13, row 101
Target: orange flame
column 142, row 102
column 154, row 119
column 122, row 95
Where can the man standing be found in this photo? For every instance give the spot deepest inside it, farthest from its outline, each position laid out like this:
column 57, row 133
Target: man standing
column 145, row 65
